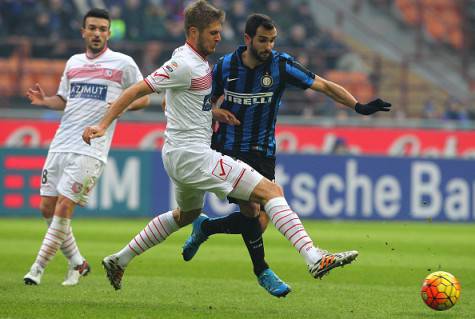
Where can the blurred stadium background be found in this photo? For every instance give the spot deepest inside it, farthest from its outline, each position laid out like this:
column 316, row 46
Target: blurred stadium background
column 417, row 54
column 414, row 163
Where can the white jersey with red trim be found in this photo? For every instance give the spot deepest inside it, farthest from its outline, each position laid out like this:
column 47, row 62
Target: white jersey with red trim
column 186, row 81
column 87, row 86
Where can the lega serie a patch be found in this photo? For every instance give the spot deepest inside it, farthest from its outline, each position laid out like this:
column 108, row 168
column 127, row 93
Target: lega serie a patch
column 171, row 66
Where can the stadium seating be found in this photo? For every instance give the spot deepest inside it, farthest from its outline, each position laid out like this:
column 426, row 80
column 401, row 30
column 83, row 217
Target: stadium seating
column 8, row 76
column 440, row 18
column 356, row 82
column 46, row 72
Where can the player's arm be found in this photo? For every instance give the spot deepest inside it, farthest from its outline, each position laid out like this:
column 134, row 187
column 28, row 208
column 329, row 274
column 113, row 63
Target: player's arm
column 341, row 95
column 222, row 115
column 130, row 95
column 38, row 97
column 139, row 104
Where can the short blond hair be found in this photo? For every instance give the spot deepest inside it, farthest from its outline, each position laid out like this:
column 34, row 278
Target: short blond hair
column 201, row 14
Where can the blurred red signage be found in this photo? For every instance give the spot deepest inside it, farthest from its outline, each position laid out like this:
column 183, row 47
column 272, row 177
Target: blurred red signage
column 290, row 138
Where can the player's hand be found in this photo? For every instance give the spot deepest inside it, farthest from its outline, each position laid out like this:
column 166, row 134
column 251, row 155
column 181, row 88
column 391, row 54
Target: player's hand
column 36, row 95
column 377, row 105
column 92, row 132
column 225, row 116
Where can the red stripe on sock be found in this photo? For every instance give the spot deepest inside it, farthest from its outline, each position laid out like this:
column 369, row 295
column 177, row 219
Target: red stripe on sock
column 47, row 252
column 291, row 228
column 274, row 215
column 67, row 240
column 72, row 252
column 133, row 250
column 59, row 231
column 296, row 218
column 295, row 243
column 44, row 244
column 278, row 220
column 156, row 227
column 163, row 227
column 52, row 234
column 138, row 244
column 153, row 233
column 149, row 239
column 140, row 234
column 38, row 260
column 296, row 232
column 67, row 246
column 309, row 242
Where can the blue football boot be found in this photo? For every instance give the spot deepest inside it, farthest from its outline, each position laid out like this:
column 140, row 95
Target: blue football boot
column 190, row 248
column 270, row 282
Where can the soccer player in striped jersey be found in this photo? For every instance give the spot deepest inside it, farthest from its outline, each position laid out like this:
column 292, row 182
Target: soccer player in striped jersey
column 251, row 81
column 192, row 165
column 91, row 80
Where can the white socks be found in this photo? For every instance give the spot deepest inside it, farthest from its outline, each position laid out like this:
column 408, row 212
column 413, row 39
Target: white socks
column 156, row 231
column 288, row 223
column 69, row 247
column 55, row 235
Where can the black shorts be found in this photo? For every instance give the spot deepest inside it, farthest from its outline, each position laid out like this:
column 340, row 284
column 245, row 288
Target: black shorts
column 261, row 163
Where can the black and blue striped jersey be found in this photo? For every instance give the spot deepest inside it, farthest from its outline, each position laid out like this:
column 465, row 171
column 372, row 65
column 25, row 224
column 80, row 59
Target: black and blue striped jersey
column 254, row 97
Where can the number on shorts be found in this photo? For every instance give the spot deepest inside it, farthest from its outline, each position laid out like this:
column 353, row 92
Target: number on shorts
column 44, row 176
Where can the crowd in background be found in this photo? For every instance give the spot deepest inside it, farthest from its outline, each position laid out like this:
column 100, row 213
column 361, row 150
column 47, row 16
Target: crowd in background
column 149, row 30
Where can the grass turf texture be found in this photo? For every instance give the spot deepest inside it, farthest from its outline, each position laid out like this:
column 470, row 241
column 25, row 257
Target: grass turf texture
column 384, row 282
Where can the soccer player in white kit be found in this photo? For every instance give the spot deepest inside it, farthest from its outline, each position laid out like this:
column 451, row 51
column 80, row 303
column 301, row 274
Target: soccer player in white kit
column 188, row 159
column 90, row 81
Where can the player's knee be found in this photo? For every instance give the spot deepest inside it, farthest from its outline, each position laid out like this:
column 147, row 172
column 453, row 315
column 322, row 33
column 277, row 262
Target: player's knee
column 183, row 218
column 47, row 209
column 250, row 209
column 64, row 207
column 275, row 190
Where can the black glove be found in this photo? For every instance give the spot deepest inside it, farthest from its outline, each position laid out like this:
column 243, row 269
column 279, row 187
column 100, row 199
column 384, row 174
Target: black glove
column 372, row 107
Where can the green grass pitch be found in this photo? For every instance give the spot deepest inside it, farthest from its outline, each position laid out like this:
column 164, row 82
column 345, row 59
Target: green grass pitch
column 384, row 281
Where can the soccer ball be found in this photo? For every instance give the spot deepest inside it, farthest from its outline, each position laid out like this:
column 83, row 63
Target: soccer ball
column 440, row 290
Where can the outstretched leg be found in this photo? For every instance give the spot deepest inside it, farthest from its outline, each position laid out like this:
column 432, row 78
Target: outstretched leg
column 288, row 223
column 156, row 231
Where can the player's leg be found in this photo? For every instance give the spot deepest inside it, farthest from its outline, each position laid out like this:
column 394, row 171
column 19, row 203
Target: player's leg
column 234, row 223
column 154, row 233
column 69, row 248
column 53, row 239
column 320, row 262
column 73, row 177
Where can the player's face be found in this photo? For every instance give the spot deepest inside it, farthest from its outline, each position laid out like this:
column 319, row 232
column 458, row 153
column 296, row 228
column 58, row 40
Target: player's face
column 262, row 43
column 209, row 38
column 96, row 33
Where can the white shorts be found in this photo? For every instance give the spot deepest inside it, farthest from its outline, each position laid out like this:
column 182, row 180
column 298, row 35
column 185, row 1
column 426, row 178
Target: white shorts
column 198, row 169
column 71, row 175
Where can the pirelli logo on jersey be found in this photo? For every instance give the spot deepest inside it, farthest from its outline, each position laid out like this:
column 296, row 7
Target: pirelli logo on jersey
column 88, row 91
column 248, row 98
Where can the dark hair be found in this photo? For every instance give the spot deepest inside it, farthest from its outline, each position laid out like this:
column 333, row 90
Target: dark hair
column 256, row 20
column 201, row 14
column 96, row 13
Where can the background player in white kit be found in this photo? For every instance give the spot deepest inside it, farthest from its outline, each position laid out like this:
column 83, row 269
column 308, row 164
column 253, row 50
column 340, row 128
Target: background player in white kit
column 90, row 81
column 188, row 159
